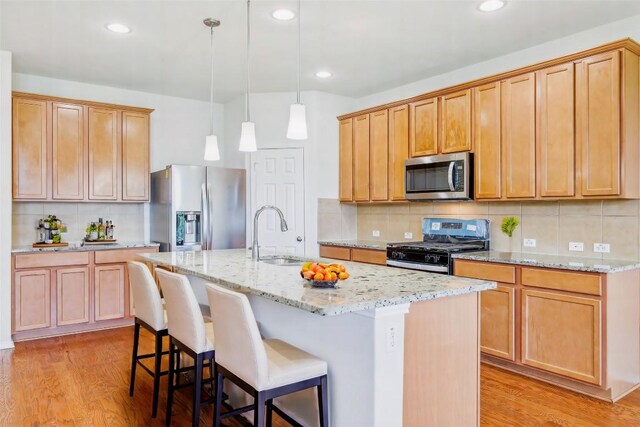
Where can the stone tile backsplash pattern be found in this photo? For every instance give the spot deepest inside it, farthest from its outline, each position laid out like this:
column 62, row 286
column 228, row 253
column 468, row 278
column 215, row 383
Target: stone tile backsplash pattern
column 336, row 221
column 552, row 224
column 127, row 218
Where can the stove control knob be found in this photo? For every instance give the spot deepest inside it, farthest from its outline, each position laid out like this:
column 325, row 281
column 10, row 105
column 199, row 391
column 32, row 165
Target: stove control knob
column 397, row 255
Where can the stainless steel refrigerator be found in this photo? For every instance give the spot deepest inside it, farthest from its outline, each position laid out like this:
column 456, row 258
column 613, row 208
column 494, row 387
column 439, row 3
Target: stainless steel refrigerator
column 198, row 208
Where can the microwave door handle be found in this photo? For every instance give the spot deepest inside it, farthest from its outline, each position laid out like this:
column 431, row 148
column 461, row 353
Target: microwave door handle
column 452, row 187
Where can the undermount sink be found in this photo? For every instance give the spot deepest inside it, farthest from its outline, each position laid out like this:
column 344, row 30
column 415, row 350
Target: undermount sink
column 281, row 260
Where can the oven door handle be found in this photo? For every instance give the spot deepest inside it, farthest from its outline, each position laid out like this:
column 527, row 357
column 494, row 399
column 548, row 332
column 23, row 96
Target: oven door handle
column 418, row 266
column 452, row 186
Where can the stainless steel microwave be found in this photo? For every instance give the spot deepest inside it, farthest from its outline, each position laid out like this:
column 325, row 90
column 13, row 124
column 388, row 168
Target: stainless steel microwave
column 447, row 176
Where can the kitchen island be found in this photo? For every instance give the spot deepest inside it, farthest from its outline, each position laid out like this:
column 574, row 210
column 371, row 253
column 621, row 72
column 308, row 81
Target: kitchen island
column 402, row 346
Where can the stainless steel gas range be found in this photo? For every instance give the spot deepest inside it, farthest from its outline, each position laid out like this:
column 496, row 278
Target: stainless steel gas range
column 441, row 237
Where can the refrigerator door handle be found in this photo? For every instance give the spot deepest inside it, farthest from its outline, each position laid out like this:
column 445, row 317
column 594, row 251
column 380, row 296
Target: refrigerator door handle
column 205, row 218
column 210, row 220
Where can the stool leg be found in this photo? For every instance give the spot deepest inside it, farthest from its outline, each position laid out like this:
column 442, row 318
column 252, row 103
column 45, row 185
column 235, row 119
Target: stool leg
column 156, row 375
column 170, row 382
column 323, row 403
column 269, row 412
column 218, row 409
column 134, row 357
column 258, row 411
column 197, row 395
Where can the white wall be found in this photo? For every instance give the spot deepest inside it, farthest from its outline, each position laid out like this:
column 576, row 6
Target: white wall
column 5, row 200
column 629, row 27
column 270, row 112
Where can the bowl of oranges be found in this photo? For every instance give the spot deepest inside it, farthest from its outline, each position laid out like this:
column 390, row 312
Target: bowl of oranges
column 322, row 275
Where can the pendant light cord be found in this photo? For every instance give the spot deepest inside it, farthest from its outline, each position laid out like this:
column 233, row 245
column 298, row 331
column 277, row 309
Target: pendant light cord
column 211, row 83
column 299, row 19
column 248, row 112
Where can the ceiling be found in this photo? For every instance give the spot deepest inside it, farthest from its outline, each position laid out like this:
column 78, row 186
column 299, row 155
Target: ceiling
column 368, row 45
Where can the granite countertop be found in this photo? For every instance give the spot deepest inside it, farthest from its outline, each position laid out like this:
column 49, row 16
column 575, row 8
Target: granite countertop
column 123, row 245
column 356, row 243
column 369, row 286
column 593, row 265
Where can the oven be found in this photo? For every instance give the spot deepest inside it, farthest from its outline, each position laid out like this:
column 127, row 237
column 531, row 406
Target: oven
column 447, row 176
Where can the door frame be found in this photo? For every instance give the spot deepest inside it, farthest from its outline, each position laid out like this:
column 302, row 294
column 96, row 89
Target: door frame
column 252, row 192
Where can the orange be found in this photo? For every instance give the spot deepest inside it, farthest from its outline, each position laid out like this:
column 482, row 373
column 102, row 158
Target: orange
column 318, row 276
column 342, row 269
column 327, row 276
column 308, row 274
column 343, row 275
column 334, row 276
column 315, row 267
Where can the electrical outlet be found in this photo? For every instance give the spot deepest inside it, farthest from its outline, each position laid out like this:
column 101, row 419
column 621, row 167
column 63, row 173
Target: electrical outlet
column 408, row 235
column 603, row 248
column 529, row 243
column 576, row 246
column 392, row 338
column 375, row 233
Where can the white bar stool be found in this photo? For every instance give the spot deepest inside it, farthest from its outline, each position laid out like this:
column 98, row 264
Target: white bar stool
column 265, row 369
column 150, row 314
column 188, row 333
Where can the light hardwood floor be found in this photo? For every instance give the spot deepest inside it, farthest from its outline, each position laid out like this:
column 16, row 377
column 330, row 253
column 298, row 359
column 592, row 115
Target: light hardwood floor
column 83, row 380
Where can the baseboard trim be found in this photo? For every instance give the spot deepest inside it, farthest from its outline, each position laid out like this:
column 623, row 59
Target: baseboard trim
column 6, row 345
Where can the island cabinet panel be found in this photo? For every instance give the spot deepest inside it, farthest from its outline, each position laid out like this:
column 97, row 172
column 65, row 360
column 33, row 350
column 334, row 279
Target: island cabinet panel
column 423, row 127
column 135, row 156
column 30, row 149
column 598, row 124
column 561, row 334
column 109, row 292
column 32, row 299
column 518, row 136
column 456, row 122
column 379, row 155
column 361, row 158
column 68, row 151
column 398, row 150
column 487, row 141
column 104, row 153
column 497, row 320
column 72, row 303
column 556, row 135
column 346, row 160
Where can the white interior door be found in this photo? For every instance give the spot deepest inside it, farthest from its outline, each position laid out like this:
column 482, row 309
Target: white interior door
column 278, row 179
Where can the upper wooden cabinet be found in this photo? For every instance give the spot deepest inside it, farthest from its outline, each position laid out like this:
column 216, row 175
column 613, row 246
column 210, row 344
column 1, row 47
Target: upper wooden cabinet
column 346, row 160
column 361, row 159
column 379, row 155
column 455, row 127
column 487, row 140
column 30, row 149
column 398, row 150
column 423, row 127
column 79, row 150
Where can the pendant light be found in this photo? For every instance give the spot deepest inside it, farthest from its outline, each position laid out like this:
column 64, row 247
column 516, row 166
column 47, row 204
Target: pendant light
column 297, row 113
column 248, row 131
column 211, row 151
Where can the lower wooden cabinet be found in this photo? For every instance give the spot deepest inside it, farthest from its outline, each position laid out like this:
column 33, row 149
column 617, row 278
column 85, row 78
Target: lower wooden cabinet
column 369, row 256
column 497, row 322
column 109, row 292
column 32, row 299
column 72, row 302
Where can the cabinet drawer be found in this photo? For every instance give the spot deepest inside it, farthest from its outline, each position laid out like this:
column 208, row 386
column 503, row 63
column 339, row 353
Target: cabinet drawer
column 485, row 270
column 56, row 259
column 582, row 283
column 369, row 256
column 335, row 252
column 121, row 255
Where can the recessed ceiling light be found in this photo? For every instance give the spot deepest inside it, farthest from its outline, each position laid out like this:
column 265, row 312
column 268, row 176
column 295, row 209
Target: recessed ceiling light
column 491, row 5
column 118, row 28
column 324, row 74
column 283, row 14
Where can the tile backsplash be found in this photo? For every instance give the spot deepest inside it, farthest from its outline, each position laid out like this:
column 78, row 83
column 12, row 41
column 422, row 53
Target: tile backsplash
column 336, row 221
column 552, row 224
column 128, row 219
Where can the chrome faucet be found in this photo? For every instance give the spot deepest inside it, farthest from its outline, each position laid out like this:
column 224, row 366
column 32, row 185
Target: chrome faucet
column 255, row 249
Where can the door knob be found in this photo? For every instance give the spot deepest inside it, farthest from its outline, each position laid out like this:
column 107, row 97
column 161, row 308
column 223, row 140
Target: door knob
column 299, row 238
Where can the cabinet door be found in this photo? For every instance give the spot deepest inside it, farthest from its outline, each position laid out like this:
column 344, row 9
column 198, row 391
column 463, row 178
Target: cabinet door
column 30, row 149
column 361, row 159
column 598, row 124
column 497, row 322
column 561, row 334
column 423, row 127
column 68, row 150
column 135, row 156
column 456, row 122
column 32, row 299
column 398, row 150
column 104, row 143
column 109, row 292
column 487, row 141
column 72, row 303
column 518, row 137
column 346, row 160
column 379, row 155
column 556, row 139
